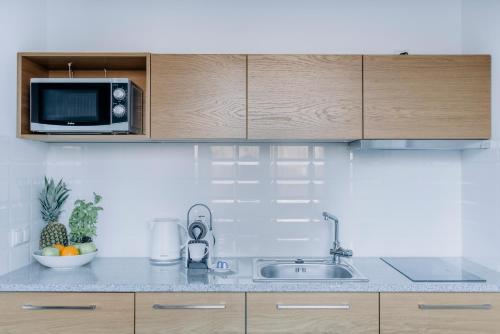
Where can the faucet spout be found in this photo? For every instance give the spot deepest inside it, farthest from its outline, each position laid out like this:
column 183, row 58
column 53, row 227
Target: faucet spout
column 329, row 216
column 335, row 237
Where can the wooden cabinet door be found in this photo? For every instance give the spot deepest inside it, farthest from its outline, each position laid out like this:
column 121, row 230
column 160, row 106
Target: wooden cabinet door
column 333, row 313
column 183, row 313
column 198, row 97
column 311, row 97
column 427, row 97
column 439, row 313
column 75, row 313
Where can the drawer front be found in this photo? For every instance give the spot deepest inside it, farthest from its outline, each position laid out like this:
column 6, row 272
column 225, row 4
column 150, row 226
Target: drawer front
column 73, row 313
column 190, row 313
column 312, row 313
column 439, row 313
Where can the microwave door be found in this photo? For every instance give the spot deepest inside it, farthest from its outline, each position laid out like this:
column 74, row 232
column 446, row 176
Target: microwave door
column 70, row 107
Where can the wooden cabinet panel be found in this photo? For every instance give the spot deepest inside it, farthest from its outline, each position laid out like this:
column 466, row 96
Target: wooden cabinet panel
column 198, row 97
column 311, row 97
column 334, row 313
column 190, row 313
column 113, row 313
column 427, row 97
column 439, row 313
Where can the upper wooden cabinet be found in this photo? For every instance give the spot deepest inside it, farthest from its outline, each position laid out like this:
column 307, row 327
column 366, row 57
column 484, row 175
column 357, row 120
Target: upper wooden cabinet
column 427, row 97
column 439, row 313
column 283, row 97
column 198, row 97
column 310, row 97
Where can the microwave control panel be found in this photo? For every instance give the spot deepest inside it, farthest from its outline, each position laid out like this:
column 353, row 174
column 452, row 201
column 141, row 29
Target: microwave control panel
column 119, row 102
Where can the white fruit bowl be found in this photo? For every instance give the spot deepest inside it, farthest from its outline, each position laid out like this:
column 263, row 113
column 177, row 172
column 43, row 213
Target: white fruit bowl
column 64, row 262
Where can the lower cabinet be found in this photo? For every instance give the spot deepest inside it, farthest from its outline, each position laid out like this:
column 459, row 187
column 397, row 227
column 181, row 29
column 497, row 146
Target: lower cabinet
column 333, row 313
column 255, row 313
column 439, row 313
column 197, row 312
column 75, row 313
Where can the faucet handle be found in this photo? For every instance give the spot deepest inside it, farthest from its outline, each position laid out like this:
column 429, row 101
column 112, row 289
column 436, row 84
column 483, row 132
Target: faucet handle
column 347, row 252
column 341, row 252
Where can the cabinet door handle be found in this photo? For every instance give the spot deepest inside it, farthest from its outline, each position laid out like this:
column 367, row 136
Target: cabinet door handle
column 455, row 307
column 30, row 307
column 313, row 307
column 189, row 306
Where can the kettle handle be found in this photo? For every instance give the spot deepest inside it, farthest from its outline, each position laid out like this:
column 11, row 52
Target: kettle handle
column 185, row 243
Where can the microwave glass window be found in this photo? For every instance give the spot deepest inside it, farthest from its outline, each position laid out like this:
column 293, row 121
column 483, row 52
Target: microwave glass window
column 80, row 106
column 72, row 103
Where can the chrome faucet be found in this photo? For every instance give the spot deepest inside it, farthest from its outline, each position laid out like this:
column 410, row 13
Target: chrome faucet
column 336, row 250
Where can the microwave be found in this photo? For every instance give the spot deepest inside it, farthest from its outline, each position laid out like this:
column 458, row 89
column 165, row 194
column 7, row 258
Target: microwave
column 85, row 105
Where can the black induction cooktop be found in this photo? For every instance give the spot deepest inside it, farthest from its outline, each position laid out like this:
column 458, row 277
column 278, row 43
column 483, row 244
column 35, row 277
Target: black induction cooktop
column 432, row 269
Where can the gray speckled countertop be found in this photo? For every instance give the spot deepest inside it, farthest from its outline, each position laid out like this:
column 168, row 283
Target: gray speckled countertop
column 137, row 274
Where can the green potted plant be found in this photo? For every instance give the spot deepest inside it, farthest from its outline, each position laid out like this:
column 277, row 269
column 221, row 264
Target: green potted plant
column 83, row 224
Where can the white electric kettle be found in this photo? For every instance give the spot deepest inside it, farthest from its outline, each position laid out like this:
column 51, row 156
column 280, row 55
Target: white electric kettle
column 166, row 244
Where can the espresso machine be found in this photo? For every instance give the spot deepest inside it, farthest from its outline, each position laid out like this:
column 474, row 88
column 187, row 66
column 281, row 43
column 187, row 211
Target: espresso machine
column 200, row 231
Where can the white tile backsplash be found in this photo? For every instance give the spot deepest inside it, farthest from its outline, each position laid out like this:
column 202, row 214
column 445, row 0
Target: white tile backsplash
column 4, row 230
column 21, row 174
column 267, row 199
column 405, row 203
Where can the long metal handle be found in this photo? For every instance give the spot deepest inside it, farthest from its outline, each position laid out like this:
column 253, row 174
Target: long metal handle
column 30, row 307
column 189, row 307
column 313, row 307
column 455, row 306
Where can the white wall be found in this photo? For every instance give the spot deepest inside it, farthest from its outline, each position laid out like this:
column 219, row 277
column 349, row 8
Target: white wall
column 390, row 203
column 481, row 169
column 258, row 26
column 22, row 163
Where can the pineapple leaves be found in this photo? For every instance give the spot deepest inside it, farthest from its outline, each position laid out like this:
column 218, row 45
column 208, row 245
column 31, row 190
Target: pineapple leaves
column 52, row 198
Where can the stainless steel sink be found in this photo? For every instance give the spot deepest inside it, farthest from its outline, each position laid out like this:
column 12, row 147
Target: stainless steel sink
column 304, row 270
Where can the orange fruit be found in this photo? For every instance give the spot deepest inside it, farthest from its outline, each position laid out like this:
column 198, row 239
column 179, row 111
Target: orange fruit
column 70, row 251
column 60, row 247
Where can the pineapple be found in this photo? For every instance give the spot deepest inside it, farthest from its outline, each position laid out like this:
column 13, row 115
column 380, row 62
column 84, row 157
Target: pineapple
column 52, row 199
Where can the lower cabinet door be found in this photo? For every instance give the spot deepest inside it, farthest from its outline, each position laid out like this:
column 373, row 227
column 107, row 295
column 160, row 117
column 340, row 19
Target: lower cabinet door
column 181, row 313
column 439, row 313
column 75, row 313
column 336, row 313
